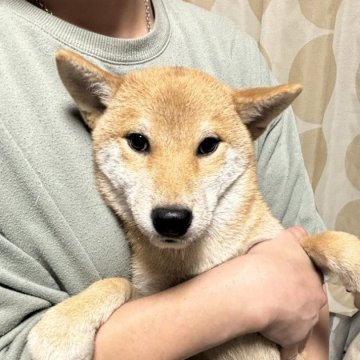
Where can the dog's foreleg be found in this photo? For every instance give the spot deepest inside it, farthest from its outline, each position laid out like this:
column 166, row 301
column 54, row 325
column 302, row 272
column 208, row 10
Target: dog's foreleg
column 67, row 331
column 337, row 253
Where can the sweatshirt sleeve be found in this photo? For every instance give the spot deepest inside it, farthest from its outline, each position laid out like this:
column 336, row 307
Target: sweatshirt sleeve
column 282, row 175
column 26, row 291
column 41, row 261
column 28, row 285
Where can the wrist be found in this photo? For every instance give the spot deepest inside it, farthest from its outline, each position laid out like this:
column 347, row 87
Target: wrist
column 245, row 285
column 201, row 313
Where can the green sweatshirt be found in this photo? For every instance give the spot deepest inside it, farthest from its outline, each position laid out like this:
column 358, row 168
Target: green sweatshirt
column 56, row 234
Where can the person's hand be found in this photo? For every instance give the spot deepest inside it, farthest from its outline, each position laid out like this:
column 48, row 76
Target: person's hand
column 273, row 289
column 296, row 294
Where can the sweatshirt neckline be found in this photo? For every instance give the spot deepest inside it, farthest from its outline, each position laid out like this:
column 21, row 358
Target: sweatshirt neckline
column 105, row 48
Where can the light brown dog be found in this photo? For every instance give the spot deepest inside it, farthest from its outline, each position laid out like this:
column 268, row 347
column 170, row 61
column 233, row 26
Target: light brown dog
column 174, row 159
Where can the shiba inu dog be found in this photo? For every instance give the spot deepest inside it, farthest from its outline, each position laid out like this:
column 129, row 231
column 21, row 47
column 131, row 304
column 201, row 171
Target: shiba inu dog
column 174, row 159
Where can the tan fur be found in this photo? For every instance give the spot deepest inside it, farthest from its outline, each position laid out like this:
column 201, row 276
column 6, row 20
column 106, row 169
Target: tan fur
column 176, row 108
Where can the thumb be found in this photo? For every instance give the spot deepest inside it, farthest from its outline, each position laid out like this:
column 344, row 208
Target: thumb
column 289, row 353
column 298, row 232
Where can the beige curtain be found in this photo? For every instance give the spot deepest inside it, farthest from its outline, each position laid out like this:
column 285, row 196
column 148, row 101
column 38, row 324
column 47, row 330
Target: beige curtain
column 317, row 43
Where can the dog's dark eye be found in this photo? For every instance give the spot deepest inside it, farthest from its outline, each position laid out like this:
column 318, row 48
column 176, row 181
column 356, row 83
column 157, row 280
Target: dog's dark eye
column 138, row 142
column 207, row 146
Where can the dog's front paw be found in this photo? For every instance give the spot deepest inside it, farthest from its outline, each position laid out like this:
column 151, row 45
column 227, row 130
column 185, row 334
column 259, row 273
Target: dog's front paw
column 65, row 341
column 67, row 331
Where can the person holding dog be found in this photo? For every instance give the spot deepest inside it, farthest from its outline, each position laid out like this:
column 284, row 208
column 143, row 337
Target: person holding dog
column 57, row 236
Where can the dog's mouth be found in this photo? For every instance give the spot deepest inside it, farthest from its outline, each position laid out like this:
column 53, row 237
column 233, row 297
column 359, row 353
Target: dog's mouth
column 170, row 241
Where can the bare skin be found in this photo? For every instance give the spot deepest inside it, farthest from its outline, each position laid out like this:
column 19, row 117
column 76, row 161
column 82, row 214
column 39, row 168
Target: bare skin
column 213, row 308
column 285, row 310
column 116, row 18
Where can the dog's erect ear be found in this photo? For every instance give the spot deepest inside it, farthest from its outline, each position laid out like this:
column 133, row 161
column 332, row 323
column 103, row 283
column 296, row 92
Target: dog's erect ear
column 258, row 106
column 90, row 86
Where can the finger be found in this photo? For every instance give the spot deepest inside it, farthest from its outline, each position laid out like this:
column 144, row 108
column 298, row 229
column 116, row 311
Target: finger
column 302, row 345
column 298, row 232
column 289, row 353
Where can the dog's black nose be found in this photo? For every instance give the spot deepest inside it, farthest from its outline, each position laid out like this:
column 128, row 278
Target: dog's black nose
column 172, row 222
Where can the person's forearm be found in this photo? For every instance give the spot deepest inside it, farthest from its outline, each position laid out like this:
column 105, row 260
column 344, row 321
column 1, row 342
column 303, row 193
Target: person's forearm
column 187, row 319
column 273, row 290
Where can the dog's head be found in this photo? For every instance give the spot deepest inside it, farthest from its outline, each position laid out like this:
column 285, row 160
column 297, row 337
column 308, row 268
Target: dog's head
column 172, row 146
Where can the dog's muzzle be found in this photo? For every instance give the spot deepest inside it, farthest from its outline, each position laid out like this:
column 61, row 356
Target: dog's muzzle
column 171, row 222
